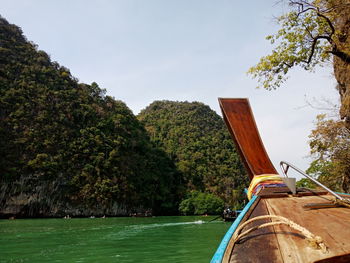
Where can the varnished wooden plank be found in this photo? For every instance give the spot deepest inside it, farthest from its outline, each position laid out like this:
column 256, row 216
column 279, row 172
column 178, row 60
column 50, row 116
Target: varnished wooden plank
column 230, row 246
column 280, row 243
column 273, row 192
column 240, row 121
column 338, row 259
column 258, row 247
column 332, row 224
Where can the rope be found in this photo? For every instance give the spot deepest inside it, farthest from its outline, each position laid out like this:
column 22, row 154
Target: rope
column 344, row 202
column 314, row 241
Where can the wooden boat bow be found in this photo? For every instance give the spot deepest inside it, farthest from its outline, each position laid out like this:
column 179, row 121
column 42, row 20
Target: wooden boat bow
column 330, row 225
column 240, row 121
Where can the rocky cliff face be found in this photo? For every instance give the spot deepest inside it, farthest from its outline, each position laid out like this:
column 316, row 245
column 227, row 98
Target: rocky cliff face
column 342, row 66
column 27, row 197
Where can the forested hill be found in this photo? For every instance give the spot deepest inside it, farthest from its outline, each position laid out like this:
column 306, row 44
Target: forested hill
column 67, row 148
column 196, row 139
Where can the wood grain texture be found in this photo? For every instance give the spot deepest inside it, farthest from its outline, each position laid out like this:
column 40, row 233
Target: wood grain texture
column 281, row 243
column 258, row 247
column 332, row 224
column 240, row 121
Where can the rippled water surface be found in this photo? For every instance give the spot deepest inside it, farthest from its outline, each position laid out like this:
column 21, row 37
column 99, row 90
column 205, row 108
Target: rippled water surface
column 157, row 239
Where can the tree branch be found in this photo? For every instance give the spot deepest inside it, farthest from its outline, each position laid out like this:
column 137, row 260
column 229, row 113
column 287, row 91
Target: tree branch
column 304, row 11
column 329, row 22
column 341, row 54
column 313, row 46
column 305, row 6
column 288, row 65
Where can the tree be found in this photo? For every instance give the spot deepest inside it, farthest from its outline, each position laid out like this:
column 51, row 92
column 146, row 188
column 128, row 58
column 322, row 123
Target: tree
column 199, row 203
column 305, row 182
column 311, row 34
column 196, row 139
column 330, row 145
column 66, row 147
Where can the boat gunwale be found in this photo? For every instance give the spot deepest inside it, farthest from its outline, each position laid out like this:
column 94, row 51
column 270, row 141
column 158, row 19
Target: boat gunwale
column 219, row 254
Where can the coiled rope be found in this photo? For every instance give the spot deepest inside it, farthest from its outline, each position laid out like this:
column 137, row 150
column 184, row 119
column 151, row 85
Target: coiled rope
column 313, row 240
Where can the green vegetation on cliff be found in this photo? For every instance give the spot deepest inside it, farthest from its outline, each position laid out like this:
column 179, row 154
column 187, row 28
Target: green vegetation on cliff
column 66, row 147
column 198, row 203
column 197, row 140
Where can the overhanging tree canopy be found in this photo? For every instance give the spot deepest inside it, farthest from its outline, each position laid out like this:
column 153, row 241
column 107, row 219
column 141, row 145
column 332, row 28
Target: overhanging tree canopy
column 312, row 33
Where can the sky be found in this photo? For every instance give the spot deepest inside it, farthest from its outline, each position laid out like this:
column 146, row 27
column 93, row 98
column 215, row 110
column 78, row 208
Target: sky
column 183, row 50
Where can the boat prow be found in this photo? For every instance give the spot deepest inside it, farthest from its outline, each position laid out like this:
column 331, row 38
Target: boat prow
column 280, row 224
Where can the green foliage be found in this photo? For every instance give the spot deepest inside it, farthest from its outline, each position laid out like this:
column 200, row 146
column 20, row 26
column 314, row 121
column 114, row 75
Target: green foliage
column 308, row 36
column 330, row 146
column 67, row 145
column 311, row 33
column 197, row 140
column 199, row 203
column 89, row 147
column 307, row 183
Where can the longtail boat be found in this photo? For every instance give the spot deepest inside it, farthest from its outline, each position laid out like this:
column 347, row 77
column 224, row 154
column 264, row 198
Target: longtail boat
column 280, row 223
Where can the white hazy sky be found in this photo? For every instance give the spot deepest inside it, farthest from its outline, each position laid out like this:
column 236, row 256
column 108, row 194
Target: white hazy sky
column 194, row 50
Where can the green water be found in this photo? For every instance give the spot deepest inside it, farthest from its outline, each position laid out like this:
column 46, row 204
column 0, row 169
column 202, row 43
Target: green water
column 159, row 239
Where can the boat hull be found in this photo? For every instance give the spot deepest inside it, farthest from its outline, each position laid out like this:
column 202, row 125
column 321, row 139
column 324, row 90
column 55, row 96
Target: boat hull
column 300, row 225
column 281, row 243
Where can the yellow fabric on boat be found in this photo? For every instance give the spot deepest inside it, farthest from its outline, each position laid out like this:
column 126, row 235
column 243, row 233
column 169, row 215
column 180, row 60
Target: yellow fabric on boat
column 262, row 178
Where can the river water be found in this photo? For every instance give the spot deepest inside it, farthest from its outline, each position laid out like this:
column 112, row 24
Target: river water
column 156, row 239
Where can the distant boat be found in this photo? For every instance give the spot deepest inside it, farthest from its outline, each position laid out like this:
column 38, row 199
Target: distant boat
column 147, row 213
column 230, row 215
column 281, row 223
